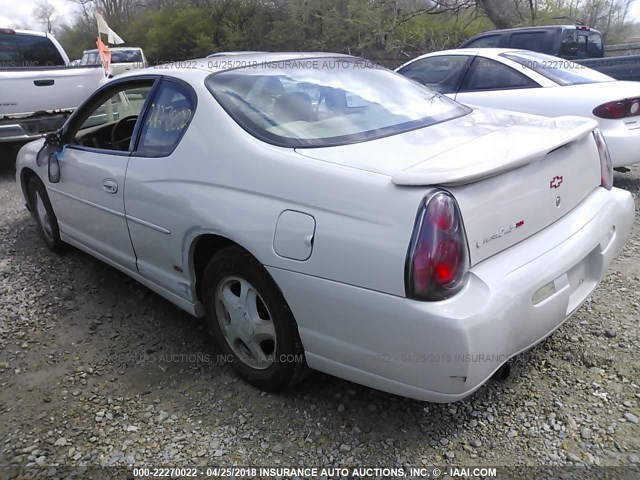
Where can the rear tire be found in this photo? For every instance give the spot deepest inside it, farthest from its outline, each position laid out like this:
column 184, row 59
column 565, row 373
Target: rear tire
column 43, row 214
column 251, row 322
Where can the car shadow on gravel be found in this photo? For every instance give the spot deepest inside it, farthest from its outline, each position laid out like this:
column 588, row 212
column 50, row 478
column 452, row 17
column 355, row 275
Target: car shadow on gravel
column 111, row 337
column 627, row 182
column 144, row 345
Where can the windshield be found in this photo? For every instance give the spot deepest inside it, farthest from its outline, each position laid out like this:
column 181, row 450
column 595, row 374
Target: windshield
column 326, row 101
column 563, row 72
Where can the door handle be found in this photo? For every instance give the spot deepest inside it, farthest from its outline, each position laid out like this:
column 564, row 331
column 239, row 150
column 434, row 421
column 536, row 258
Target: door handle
column 44, row 83
column 110, row 185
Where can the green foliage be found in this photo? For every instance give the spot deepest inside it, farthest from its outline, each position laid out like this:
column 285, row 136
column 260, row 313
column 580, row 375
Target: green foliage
column 177, row 34
column 77, row 37
column 389, row 31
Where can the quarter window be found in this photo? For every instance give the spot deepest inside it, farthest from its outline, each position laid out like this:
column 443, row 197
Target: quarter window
column 168, row 118
column 569, row 44
column 442, row 73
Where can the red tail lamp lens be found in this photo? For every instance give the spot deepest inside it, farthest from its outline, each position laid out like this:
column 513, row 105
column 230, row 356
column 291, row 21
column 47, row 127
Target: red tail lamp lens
column 627, row 107
column 437, row 260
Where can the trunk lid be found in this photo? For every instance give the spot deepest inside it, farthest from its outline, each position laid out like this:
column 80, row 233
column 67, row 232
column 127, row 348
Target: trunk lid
column 510, row 181
column 502, row 210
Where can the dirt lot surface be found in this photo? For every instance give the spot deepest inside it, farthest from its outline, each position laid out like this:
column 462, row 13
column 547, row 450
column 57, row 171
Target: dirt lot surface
column 97, row 370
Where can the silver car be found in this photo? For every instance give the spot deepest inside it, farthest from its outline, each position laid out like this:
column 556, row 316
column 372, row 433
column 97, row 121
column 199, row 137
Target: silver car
column 324, row 212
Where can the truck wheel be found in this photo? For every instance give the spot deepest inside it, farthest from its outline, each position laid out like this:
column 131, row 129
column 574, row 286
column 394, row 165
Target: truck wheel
column 43, row 213
column 251, row 322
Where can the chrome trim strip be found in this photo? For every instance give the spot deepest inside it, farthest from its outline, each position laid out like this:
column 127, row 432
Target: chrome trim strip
column 87, row 202
column 152, row 226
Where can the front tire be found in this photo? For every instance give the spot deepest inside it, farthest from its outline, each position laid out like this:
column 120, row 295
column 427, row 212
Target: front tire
column 42, row 212
column 251, row 322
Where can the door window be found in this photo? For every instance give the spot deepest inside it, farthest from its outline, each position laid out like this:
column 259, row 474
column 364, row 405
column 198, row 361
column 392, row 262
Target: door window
column 442, row 73
column 167, row 120
column 109, row 122
column 487, row 74
column 528, row 41
column 489, row 41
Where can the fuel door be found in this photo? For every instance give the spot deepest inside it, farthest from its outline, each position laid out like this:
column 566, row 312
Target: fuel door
column 294, row 235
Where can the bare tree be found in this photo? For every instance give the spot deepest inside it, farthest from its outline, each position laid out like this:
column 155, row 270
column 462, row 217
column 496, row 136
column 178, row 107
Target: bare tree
column 509, row 13
column 86, row 7
column 45, row 14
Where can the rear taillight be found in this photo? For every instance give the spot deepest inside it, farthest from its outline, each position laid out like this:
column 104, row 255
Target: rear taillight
column 627, row 107
column 606, row 167
column 438, row 259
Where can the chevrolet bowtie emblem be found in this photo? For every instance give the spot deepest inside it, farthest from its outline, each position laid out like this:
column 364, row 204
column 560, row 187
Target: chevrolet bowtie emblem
column 555, row 182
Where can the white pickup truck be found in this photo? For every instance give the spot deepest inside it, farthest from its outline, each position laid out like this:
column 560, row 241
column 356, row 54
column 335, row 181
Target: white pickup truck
column 123, row 59
column 38, row 88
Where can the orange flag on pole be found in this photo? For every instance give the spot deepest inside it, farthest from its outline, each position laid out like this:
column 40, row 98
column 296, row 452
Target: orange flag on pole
column 105, row 56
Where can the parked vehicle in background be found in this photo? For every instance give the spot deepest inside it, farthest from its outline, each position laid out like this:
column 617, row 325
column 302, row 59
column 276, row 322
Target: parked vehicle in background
column 123, row 59
column 580, row 43
column 38, row 88
column 325, row 213
column 531, row 82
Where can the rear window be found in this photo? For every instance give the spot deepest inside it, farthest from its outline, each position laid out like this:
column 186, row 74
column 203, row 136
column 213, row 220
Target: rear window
column 581, row 44
column 126, row 56
column 561, row 71
column 18, row 50
column 318, row 102
column 134, row 55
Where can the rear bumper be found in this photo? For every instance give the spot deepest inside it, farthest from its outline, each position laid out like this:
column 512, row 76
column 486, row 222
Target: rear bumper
column 31, row 127
column 623, row 143
column 444, row 351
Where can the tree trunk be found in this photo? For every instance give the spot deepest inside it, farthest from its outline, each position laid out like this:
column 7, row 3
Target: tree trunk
column 502, row 13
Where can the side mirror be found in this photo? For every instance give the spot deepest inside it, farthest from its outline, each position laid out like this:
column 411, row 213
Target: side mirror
column 52, row 144
column 49, row 154
column 54, row 168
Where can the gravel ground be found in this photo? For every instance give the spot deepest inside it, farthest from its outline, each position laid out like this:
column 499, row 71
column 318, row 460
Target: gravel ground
column 97, row 370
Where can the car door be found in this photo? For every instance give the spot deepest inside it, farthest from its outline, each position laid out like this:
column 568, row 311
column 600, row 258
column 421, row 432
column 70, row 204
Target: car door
column 157, row 194
column 441, row 73
column 89, row 198
column 489, row 83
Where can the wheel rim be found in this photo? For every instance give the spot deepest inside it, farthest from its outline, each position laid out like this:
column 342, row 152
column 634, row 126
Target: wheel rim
column 245, row 322
column 43, row 217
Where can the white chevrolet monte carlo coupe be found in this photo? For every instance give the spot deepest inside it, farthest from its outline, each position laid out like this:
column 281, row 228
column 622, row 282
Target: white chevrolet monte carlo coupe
column 323, row 212
column 532, row 82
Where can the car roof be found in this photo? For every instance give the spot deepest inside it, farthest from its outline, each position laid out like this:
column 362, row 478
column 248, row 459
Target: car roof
column 34, row 33
column 485, row 52
column 493, row 53
column 482, row 50
column 234, row 53
column 537, row 27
